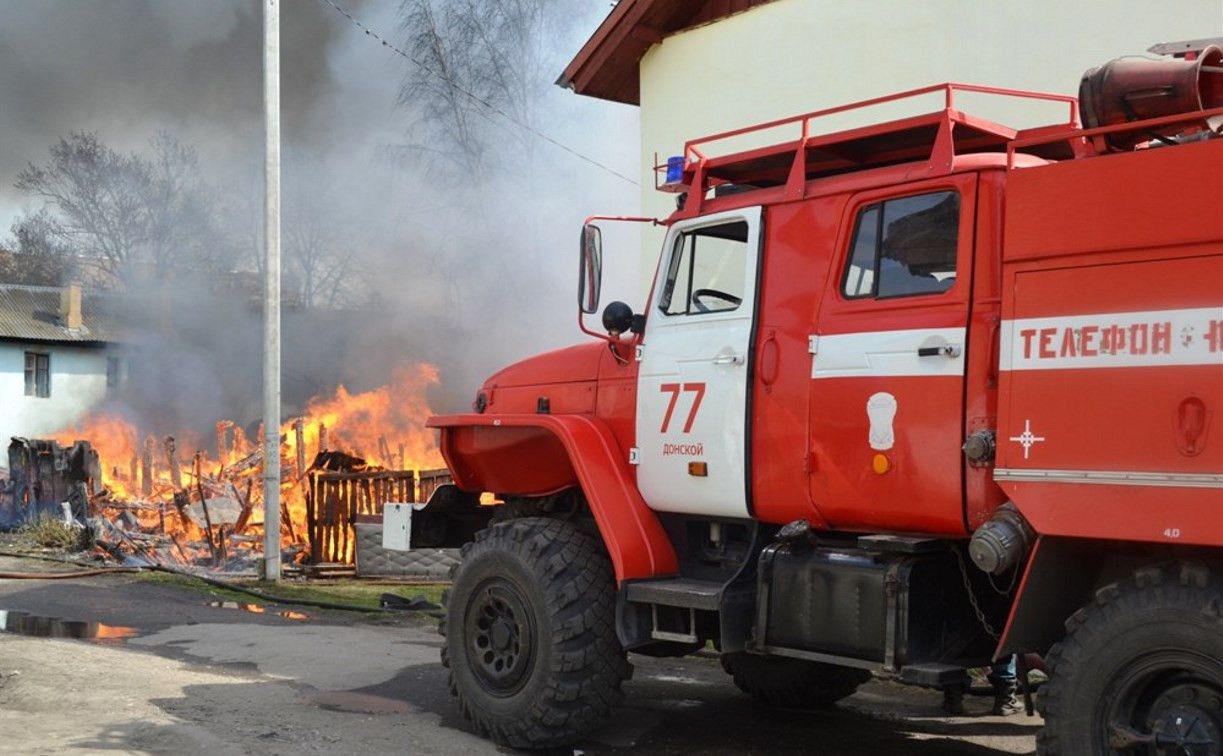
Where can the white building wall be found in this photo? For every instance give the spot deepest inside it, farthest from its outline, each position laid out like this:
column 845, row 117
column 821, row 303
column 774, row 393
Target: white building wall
column 78, row 382
column 795, row 56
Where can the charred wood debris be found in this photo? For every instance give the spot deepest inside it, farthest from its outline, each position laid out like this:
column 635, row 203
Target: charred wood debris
column 196, row 514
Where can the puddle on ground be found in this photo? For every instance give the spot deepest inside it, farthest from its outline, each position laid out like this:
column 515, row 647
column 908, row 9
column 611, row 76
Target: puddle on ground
column 358, row 703
column 677, row 679
column 24, row 623
column 242, row 606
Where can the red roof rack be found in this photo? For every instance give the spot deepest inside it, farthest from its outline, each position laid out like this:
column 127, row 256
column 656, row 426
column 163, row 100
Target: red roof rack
column 935, row 138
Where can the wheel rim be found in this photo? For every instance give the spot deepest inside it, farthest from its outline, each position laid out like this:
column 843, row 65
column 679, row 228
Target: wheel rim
column 500, row 628
column 1168, row 705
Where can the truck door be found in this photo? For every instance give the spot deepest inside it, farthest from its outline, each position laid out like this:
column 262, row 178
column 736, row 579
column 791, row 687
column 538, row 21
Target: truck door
column 693, row 376
column 887, row 361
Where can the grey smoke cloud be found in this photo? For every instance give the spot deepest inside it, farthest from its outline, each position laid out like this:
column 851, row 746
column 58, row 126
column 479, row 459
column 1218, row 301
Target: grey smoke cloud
column 126, row 68
column 438, row 290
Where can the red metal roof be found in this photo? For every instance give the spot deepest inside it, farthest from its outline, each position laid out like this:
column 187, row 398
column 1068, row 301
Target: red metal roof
column 607, row 65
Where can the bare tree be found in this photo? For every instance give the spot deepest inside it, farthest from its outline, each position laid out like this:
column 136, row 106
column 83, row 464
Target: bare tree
column 98, row 195
column 34, row 256
column 243, row 211
column 182, row 221
column 435, row 90
column 323, row 226
column 315, row 267
column 478, row 70
column 136, row 216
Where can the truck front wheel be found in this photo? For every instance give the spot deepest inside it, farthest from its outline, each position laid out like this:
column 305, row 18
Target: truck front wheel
column 530, row 633
column 792, row 683
column 1140, row 669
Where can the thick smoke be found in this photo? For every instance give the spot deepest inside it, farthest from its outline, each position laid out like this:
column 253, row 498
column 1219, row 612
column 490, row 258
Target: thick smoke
column 468, row 275
column 126, row 68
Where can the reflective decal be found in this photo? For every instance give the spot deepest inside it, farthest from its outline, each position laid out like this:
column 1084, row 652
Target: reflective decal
column 1027, row 439
column 1106, row 340
column 917, row 352
column 881, row 409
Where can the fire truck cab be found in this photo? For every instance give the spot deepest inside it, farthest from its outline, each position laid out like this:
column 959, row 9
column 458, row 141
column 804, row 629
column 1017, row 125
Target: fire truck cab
column 903, row 400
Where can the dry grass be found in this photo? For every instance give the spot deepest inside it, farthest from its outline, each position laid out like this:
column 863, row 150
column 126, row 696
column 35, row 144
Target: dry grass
column 358, row 592
column 50, row 532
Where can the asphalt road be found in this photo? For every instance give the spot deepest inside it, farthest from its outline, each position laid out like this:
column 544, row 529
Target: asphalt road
column 191, row 678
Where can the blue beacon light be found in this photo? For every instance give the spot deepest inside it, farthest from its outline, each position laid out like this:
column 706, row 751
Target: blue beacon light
column 675, row 169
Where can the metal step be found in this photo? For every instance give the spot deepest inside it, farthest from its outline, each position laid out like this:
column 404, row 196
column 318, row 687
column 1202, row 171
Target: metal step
column 682, row 592
column 931, row 674
column 902, row 544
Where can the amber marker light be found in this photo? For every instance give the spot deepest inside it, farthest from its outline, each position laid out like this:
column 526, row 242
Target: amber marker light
column 698, row 469
column 881, row 464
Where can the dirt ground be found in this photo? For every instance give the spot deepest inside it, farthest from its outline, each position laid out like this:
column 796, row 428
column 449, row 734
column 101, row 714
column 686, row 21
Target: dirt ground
column 192, row 678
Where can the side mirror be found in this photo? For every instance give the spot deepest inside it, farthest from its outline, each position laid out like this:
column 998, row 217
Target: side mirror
column 590, row 274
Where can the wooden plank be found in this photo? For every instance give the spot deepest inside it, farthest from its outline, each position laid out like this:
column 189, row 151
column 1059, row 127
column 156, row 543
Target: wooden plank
column 176, row 473
column 299, row 438
column 146, row 480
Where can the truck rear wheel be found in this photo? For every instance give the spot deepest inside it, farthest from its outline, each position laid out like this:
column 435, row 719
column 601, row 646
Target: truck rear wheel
column 530, row 633
column 792, row 683
column 1140, row 670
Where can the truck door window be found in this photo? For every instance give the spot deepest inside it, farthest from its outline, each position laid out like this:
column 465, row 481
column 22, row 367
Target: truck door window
column 706, row 270
column 904, row 247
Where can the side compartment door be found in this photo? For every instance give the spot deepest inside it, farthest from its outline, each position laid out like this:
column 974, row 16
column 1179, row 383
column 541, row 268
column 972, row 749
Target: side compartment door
column 888, row 361
column 694, row 371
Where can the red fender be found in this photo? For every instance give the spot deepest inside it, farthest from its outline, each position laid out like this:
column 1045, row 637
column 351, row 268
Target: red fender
column 542, row 454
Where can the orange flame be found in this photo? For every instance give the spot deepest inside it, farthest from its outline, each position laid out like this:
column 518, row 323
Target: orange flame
column 385, row 426
column 373, row 424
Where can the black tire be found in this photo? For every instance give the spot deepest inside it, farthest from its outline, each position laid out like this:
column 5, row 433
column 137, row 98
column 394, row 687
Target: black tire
column 530, row 634
column 1145, row 658
column 792, row 683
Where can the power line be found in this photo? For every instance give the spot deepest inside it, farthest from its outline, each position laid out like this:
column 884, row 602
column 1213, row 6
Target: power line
column 525, row 127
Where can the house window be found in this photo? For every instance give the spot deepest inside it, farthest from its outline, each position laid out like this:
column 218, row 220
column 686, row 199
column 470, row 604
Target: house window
column 37, row 374
column 112, row 372
column 904, row 247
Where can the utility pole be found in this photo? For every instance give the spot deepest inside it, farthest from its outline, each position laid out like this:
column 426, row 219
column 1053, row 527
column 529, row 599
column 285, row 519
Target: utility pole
column 271, row 291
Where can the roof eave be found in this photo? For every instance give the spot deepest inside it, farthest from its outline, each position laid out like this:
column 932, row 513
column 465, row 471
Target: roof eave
column 607, row 66
column 581, row 73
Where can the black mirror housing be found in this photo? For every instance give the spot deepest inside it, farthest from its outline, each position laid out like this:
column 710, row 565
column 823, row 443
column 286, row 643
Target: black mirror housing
column 617, row 318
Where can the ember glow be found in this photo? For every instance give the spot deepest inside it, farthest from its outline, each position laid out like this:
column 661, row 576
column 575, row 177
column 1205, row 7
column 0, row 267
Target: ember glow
column 185, row 499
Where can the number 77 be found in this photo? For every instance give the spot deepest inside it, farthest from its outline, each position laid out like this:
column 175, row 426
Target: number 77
column 674, row 390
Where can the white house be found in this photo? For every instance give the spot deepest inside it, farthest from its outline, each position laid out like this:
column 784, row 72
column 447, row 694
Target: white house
column 708, row 66
column 58, row 358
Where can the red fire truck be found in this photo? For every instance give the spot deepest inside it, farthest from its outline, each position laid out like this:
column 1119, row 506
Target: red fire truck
column 904, row 399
